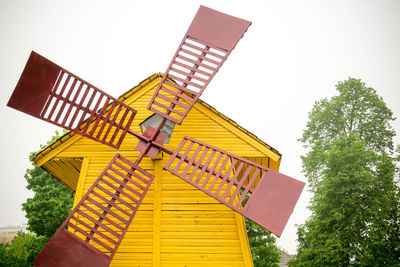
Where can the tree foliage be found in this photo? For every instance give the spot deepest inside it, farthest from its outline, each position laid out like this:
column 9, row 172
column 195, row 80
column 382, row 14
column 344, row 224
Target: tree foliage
column 356, row 109
column 21, row 251
column 263, row 248
column 51, row 203
column 350, row 168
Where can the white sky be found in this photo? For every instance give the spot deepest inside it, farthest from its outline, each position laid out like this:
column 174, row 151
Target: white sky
column 294, row 53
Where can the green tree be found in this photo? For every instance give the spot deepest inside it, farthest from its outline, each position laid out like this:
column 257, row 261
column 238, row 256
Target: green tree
column 21, row 251
column 48, row 208
column 4, row 255
column 263, row 248
column 51, row 203
column 350, row 168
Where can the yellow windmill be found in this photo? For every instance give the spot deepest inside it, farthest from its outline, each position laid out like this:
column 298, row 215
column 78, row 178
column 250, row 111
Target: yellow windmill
column 181, row 206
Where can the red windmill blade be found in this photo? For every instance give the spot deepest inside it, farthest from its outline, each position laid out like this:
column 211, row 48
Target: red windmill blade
column 207, row 44
column 53, row 94
column 100, row 219
column 231, row 179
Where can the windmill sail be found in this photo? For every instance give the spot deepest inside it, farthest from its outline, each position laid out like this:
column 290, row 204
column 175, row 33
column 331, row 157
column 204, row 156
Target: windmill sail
column 100, row 220
column 53, row 94
column 262, row 195
column 208, row 42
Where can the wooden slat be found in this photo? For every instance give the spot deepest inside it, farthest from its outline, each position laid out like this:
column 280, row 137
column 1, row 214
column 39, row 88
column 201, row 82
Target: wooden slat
column 182, row 88
column 210, row 157
column 64, row 103
column 105, row 227
column 111, row 124
column 177, row 94
column 87, row 109
column 110, row 111
column 116, row 197
column 168, row 108
column 184, row 156
column 193, row 68
column 247, row 188
column 190, row 74
column 197, row 165
column 109, row 202
column 79, row 107
column 215, row 165
column 107, row 210
column 94, row 230
column 130, row 172
column 190, row 163
column 119, row 125
column 52, row 93
column 186, row 82
column 225, row 177
column 232, row 180
column 90, row 237
column 92, row 112
column 171, row 100
column 196, row 63
column 102, row 216
column 58, row 97
column 124, row 185
column 99, row 116
column 217, row 176
column 204, row 50
column 200, row 56
column 239, row 186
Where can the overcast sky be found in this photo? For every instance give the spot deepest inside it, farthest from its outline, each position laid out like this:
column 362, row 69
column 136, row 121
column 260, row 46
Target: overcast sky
column 294, row 54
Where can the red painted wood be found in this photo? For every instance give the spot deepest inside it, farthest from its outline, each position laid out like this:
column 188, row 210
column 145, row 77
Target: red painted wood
column 120, row 189
column 65, row 250
column 273, row 201
column 39, row 74
column 230, row 180
column 51, row 93
column 152, row 151
column 208, row 42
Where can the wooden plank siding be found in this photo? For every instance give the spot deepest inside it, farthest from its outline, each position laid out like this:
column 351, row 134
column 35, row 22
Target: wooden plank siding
column 67, row 170
column 176, row 225
column 197, row 230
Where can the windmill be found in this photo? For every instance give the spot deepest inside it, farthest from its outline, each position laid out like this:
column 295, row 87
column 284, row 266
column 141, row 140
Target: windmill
column 51, row 93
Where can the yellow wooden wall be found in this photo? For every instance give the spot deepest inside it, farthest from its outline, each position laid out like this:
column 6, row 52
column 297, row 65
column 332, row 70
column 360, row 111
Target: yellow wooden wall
column 176, row 225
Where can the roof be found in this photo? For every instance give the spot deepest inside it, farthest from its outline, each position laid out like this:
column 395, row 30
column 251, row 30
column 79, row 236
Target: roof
column 133, row 91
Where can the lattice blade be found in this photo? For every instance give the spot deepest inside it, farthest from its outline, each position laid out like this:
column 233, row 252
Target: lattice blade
column 208, row 42
column 100, row 220
column 51, row 93
column 258, row 193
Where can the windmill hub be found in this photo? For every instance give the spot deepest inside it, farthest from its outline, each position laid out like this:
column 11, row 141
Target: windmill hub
column 156, row 139
column 154, row 121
